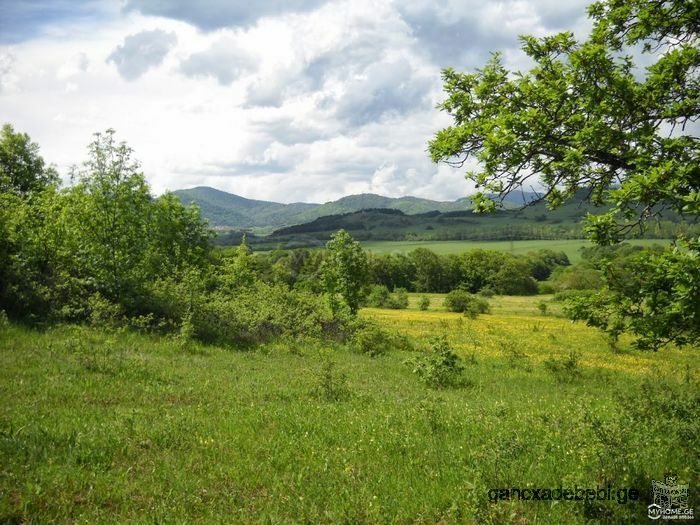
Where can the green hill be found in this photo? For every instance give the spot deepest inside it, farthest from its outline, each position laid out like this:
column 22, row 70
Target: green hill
column 228, row 211
column 530, row 222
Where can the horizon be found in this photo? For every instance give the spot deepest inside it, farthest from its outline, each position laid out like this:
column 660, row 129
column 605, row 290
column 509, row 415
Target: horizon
column 318, row 203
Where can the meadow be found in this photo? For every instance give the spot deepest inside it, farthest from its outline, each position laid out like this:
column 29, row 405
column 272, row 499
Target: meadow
column 100, row 426
column 572, row 247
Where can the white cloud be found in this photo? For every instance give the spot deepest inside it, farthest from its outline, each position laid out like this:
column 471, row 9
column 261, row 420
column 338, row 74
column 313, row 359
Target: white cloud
column 141, row 52
column 308, row 102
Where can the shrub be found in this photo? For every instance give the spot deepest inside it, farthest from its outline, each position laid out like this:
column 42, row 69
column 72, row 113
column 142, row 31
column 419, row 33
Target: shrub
column 440, row 367
column 545, row 288
column 331, row 385
column 565, row 370
column 487, row 291
column 370, row 339
column 462, row 301
column 377, row 296
column 424, row 303
column 104, row 312
column 380, row 297
column 398, row 300
column 255, row 314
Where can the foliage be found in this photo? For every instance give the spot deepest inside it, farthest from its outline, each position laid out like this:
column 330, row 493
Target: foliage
column 565, row 370
column 424, row 303
column 398, row 300
column 585, row 118
column 331, row 385
column 345, row 271
column 371, row 339
column 657, row 297
column 464, row 302
column 439, row 367
column 377, row 296
column 23, row 171
column 104, row 237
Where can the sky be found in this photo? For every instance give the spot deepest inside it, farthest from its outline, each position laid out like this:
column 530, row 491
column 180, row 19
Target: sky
column 290, row 101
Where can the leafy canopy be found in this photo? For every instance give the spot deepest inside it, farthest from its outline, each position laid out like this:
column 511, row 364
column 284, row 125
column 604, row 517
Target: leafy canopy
column 345, row 271
column 585, row 117
column 22, row 170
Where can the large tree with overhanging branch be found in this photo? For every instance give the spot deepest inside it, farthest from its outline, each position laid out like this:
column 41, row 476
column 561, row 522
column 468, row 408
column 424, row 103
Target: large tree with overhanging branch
column 586, row 117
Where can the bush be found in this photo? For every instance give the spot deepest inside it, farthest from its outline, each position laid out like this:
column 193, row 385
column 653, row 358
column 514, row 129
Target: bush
column 331, row 385
column 370, row 339
column 424, row 303
column 565, row 370
column 440, row 367
column 487, row 291
column 577, row 277
column 398, row 300
column 464, row 302
column 253, row 315
column 545, row 288
column 103, row 312
column 378, row 296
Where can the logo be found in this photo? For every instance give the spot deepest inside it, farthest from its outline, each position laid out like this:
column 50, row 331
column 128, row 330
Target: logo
column 670, row 500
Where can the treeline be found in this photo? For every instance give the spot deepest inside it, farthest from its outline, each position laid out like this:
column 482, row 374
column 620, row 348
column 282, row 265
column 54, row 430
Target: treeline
column 421, row 270
column 376, row 227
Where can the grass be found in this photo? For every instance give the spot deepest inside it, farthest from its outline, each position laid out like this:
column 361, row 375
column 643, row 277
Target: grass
column 572, row 247
column 115, row 427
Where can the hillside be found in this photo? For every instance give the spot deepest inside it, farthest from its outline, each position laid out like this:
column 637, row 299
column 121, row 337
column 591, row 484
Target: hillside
column 229, row 211
column 531, row 222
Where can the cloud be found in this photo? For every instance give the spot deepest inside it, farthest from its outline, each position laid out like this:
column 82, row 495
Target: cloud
column 141, row 52
column 223, row 60
column 384, row 88
column 304, row 100
column 463, row 33
column 7, row 77
column 216, row 14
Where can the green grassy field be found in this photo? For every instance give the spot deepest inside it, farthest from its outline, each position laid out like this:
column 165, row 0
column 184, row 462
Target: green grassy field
column 115, row 427
column 571, row 246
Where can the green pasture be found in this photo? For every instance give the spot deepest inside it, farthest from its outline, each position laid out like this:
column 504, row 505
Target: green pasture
column 572, row 247
column 104, row 426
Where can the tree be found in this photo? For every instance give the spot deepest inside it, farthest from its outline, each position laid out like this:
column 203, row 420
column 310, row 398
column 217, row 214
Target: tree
column 112, row 212
column 238, row 270
column 22, row 170
column 585, row 117
column 429, row 271
column 345, row 271
column 121, row 238
column 28, row 202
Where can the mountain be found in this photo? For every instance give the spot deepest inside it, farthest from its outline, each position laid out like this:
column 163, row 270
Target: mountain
column 531, row 222
column 534, row 221
column 228, row 211
column 517, row 198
